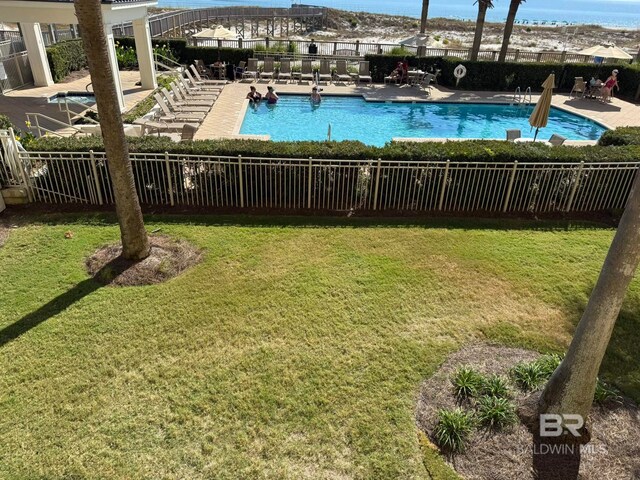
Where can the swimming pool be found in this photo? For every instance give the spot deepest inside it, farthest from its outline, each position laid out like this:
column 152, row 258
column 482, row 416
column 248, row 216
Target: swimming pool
column 77, row 97
column 375, row 123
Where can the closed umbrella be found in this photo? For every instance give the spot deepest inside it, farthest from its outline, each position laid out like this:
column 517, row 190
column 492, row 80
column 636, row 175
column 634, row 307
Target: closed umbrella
column 540, row 113
column 606, row 51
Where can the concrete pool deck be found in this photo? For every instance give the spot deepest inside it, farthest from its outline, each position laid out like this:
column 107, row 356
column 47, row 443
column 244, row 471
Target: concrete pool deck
column 225, row 118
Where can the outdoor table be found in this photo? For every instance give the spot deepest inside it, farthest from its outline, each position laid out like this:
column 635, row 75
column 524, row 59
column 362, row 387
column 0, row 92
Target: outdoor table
column 414, row 76
column 219, row 70
column 531, row 140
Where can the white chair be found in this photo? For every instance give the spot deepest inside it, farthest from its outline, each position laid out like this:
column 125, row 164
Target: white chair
column 556, row 140
column 168, row 115
column 364, row 75
column 513, row 134
column 173, row 105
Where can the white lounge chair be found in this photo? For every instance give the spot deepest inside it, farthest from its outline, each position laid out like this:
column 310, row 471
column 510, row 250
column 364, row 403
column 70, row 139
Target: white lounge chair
column 364, row 75
column 556, row 140
column 182, row 96
column 174, row 107
column 513, row 134
column 187, row 132
column 341, row 71
column 267, row 70
column 199, row 86
column 180, row 101
column 168, row 115
column 188, row 92
column 284, row 73
column 201, row 81
column 194, row 90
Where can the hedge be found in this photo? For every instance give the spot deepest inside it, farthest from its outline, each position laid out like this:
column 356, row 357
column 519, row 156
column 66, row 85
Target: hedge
column 621, row 136
column 66, row 57
column 465, row 151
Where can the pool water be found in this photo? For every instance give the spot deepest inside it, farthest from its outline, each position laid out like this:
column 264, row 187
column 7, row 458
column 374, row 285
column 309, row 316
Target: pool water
column 375, row 123
column 78, row 97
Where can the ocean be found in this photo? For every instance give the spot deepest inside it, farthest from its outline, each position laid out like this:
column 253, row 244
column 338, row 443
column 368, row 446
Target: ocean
column 609, row 13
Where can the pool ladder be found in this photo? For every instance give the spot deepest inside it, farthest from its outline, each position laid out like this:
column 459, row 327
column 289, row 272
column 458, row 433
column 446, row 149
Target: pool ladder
column 521, row 98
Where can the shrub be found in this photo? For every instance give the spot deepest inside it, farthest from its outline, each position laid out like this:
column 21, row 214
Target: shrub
column 466, row 382
column 453, row 429
column 495, row 386
column 496, row 412
column 530, row 376
column 621, row 136
column 66, row 57
column 399, row 51
column 605, row 393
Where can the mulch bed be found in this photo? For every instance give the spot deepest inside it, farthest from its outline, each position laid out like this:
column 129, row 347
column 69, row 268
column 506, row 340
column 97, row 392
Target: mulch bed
column 613, row 453
column 168, row 259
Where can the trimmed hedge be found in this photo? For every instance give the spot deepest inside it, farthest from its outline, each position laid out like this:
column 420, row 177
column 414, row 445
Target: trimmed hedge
column 466, row 151
column 621, row 136
column 66, row 57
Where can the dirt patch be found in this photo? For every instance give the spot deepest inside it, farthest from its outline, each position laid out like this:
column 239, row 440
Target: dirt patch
column 613, row 453
column 168, row 259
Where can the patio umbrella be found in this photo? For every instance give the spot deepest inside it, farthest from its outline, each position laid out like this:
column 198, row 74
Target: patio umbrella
column 540, row 113
column 217, row 33
column 606, row 51
column 419, row 40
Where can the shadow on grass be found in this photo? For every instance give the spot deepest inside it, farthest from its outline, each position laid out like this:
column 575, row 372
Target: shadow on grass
column 57, row 305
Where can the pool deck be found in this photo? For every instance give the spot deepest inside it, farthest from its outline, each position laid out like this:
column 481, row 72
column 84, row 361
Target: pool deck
column 225, row 118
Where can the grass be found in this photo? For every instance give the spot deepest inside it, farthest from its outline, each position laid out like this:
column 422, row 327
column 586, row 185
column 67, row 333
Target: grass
column 295, row 350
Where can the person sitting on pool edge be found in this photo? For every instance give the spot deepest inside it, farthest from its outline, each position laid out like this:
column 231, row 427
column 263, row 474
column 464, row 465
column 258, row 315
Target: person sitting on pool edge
column 315, row 96
column 271, row 97
column 254, row 96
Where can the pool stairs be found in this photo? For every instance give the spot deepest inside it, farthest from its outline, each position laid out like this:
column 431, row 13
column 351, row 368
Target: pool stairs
column 520, row 98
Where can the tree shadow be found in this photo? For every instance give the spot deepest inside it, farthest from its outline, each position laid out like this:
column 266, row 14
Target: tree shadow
column 58, row 304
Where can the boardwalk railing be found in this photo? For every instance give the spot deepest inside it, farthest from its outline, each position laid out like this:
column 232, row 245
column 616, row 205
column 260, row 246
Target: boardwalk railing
column 333, row 184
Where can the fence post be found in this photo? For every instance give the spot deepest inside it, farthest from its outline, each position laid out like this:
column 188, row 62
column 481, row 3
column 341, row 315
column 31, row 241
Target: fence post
column 335, row 48
column 539, row 57
column 378, row 49
column 493, row 57
column 241, row 181
column 510, row 187
column 575, row 187
column 563, row 57
column 266, row 42
column 376, row 188
column 94, row 169
column 444, row 185
column 309, row 182
column 239, row 42
column 169, row 182
column 517, row 55
column 357, row 47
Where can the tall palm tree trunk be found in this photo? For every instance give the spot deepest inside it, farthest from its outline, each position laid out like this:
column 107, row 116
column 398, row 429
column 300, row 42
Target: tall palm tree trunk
column 483, row 5
column 424, row 16
column 135, row 243
column 508, row 28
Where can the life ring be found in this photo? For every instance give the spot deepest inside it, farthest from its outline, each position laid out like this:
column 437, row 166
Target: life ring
column 459, row 72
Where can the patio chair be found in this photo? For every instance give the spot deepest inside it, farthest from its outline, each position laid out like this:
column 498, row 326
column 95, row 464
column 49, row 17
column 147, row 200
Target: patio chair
column 556, row 140
column 201, row 84
column 426, row 81
column 182, row 96
column 267, row 69
column 201, row 70
column 579, row 88
column 239, row 70
column 392, row 78
column 325, row 71
column 175, row 107
column 341, row 71
column 284, row 73
column 159, row 127
column 252, row 69
column 187, row 132
column 192, row 90
column 306, row 75
column 513, row 134
column 167, row 115
column 364, row 75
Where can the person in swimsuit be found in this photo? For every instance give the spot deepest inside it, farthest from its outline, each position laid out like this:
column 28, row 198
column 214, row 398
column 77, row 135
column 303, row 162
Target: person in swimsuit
column 271, row 96
column 315, row 96
column 607, row 88
column 254, row 96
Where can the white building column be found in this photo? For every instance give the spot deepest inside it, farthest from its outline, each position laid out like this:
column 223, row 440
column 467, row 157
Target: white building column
column 114, row 63
column 144, row 52
column 37, row 54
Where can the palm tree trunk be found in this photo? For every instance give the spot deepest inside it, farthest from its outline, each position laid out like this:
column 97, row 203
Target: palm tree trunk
column 508, row 28
column 425, row 14
column 571, row 388
column 477, row 38
column 135, row 243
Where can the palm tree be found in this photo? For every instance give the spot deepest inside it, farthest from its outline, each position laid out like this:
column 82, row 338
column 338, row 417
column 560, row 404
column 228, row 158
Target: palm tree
column 571, row 387
column 483, row 5
column 508, row 28
column 423, row 18
column 135, row 243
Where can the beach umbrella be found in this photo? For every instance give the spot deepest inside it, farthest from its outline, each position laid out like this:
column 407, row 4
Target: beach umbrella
column 218, row 33
column 419, row 40
column 606, row 51
column 540, row 113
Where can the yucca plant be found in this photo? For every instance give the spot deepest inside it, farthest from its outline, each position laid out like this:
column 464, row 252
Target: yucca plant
column 496, row 412
column 453, row 429
column 466, row 382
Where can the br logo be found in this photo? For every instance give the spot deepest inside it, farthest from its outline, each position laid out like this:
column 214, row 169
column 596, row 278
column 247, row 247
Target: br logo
column 554, row 425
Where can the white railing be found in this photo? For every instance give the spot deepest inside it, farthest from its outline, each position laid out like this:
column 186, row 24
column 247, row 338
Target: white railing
column 335, row 184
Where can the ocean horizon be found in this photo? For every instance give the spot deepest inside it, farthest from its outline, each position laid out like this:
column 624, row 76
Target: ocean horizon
column 610, row 13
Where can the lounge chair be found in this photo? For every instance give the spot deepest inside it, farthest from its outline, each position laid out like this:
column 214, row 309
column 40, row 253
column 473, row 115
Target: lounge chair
column 513, row 134
column 364, row 75
column 325, row 71
column 193, row 90
column 179, row 95
column 556, row 140
column 267, row 69
column 252, row 69
column 306, row 75
column 284, row 73
column 579, row 88
column 341, row 71
column 239, row 70
column 187, row 132
column 392, row 78
column 201, row 85
column 157, row 126
column 192, row 101
column 201, row 70
column 167, row 115
column 176, row 107
column 198, row 80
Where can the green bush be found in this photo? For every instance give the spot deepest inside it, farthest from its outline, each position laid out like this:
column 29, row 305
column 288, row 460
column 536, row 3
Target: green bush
column 621, row 136
column 495, row 386
column 466, row 382
column 453, row 429
column 530, row 376
column 495, row 412
column 605, row 393
column 66, row 57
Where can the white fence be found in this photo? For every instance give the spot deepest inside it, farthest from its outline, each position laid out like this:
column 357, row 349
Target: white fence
column 334, row 185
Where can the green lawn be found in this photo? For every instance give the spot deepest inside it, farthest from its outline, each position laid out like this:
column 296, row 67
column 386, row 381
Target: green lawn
column 295, row 350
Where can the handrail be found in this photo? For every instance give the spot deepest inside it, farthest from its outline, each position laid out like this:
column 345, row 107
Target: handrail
column 40, row 128
column 524, row 98
column 178, row 66
column 517, row 95
column 69, row 111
